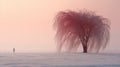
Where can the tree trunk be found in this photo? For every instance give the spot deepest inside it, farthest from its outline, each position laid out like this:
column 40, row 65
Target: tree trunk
column 84, row 49
column 84, row 44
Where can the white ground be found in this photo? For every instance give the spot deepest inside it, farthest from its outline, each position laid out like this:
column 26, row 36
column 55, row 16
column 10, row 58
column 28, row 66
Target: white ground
column 59, row 60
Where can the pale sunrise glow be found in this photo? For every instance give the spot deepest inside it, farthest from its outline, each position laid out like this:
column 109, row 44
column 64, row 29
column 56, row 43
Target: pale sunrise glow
column 27, row 24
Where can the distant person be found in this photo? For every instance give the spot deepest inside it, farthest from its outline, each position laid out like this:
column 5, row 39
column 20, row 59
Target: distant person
column 13, row 50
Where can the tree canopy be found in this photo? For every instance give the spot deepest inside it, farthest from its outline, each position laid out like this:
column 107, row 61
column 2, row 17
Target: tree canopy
column 83, row 27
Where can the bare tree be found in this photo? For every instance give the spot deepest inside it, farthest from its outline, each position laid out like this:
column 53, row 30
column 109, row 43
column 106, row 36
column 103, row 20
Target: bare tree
column 81, row 28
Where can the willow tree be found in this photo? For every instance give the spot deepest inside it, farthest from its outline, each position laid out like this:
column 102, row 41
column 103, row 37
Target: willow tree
column 86, row 28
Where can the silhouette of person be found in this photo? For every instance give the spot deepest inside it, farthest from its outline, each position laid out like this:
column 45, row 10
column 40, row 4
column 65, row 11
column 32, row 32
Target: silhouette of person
column 13, row 50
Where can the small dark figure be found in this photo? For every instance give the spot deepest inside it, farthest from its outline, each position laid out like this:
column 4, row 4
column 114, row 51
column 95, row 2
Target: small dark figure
column 13, row 50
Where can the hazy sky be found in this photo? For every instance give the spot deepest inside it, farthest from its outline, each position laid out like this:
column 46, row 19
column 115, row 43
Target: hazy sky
column 27, row 24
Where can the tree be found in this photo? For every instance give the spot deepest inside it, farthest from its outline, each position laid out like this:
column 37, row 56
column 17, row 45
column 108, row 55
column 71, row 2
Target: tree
column 84, row 28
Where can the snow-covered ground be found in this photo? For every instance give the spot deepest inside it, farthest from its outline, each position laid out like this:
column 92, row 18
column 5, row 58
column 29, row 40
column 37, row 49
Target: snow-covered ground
column 59, row 60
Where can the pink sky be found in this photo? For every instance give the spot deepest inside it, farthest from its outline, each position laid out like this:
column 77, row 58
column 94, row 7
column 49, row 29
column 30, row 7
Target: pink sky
column 27, row 24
